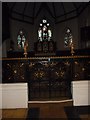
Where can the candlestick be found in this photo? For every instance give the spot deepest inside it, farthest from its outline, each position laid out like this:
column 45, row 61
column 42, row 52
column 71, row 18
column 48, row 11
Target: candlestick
column 25, row 48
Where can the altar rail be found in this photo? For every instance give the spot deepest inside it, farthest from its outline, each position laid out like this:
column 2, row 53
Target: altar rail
column 47, row 77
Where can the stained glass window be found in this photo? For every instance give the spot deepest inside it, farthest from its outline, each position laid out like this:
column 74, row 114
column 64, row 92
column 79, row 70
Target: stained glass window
column 44, row 31
column 21, row 39
column 68, row 38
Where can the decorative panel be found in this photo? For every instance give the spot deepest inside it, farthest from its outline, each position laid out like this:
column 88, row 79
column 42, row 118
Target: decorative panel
column 47, row 77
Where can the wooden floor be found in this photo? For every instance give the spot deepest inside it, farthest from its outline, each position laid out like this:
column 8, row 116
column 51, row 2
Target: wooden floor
column 14, row 113
column 47, row 110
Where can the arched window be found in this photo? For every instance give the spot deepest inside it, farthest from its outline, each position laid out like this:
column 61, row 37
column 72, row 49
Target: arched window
column 44, row 31
column 21, row 39
column 68, row 38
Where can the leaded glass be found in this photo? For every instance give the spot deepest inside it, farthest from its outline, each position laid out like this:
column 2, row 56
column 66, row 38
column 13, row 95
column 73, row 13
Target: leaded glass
column 68, row 38
column 44, row 31
column 21, row 39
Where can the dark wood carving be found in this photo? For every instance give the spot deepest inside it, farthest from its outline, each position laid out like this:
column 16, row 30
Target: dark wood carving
column 47, row 78
column 45, row 47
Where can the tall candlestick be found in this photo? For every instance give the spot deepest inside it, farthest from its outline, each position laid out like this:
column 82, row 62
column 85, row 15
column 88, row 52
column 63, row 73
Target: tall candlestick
column 25, row 48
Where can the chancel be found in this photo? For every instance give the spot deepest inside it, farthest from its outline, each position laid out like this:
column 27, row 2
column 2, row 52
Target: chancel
column 45, row 60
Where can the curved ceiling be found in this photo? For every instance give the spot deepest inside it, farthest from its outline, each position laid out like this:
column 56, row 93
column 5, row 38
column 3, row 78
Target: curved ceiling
column 59, row 11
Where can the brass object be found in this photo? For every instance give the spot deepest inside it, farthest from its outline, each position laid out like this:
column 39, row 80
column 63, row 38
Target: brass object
column 25, row 48
column 45, row 58
column 72, row 49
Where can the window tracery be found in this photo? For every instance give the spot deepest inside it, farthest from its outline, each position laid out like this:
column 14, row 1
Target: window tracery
column 44, row 31
column 68, row 38
column 21, row 39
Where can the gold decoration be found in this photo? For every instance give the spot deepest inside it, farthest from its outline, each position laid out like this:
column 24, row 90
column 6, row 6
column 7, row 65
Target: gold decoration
column 77, row 75
column 15, row 71
column 83, row 69
column 60, row 73
column 72, row 49
column 76, row 62
column 53, row 64
column 25, row 48
column 21, row 64
column 67, row 63
column 31, row 64
column 39, row 74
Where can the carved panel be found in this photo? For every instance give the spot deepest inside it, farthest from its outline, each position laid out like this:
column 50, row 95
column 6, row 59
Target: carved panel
column 47, row 78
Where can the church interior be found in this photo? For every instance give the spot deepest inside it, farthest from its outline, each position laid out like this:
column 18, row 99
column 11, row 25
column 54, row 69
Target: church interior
column 45, row 60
